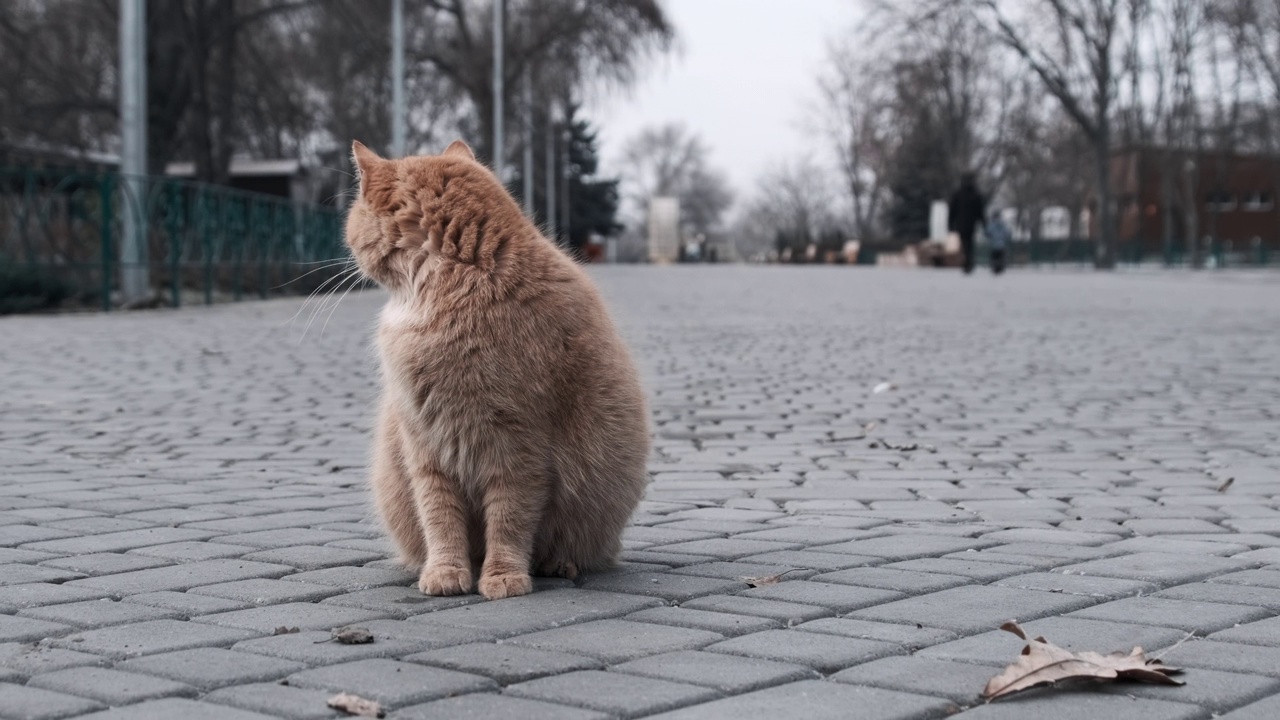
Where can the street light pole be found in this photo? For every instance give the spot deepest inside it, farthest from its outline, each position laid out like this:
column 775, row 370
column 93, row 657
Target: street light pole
column 551, row 173
column 134, row 282
column 528, row 144
column 397, row 79
column 498, row 144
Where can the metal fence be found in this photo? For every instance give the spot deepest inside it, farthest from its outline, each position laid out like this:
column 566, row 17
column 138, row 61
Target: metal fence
column 1080, row 251
column 204, row 243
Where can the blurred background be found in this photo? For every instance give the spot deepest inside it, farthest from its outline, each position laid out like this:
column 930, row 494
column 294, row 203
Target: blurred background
column 165, row 152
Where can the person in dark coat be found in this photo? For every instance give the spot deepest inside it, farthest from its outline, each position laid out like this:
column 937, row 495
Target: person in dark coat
column 967, row 209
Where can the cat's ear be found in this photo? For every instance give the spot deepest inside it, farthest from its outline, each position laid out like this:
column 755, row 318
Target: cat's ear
column 457, row 148
column 366, row 162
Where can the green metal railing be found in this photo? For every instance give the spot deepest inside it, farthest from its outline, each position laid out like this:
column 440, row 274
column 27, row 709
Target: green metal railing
column 202, row 241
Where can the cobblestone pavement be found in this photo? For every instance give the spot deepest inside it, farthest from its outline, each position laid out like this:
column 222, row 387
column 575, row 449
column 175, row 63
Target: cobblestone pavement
column 1094, row 455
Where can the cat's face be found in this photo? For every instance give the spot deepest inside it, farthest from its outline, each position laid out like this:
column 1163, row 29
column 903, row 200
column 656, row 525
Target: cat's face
column 399, row 218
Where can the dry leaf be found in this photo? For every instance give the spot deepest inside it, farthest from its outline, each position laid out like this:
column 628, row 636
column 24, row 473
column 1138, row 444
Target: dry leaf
column 765, row 579
column 356, row 705
column 1223, row 487
column 1043, row 663
column 286, row 630
column 349, row 635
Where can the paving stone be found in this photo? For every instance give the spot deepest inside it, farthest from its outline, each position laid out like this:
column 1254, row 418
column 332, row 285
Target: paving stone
column 263, row 591
column 17, row 574
column 355, row 578
column 983, row 571
column 726, row 624
column 96, row 614
column 898, row 548
column 1225, row 656
column 1159, row 568
column 1268, row 598
column 1210, row 689
column 1186, row 615
column 211, row 668
column 1255, row 578
column 149, row 638
column 806, row 535
column 959, row 682
column 109, row 686
column 908, row 636
column 104, row 563
column 738, row 570
column 1089, row 586
column 556, row 608
column 822, row 652
column 817, row 700
column 1262, row 710
column 25, row 660
column 185, row 604
column 728, row 674
column 277, row 700
column 311, row 557
column 401, row 601
column 1263, row 632
column 617, row 694
column 14, row 629
column 998, row 648
column 726, row 548
column 973, row 609
column 395, row 684
column 117, row 542
column 1075, row 705
column 903, row 581
column 788, row 613
column 28, row 703
column 17, row 597
column 193, row 551
column 505, row 663
column 179, row 577
column 822, row 561
column 483, row 706
column 615, row 641
column 841, row 598
column 308, row 616
column 668, row 586
column 169, row 708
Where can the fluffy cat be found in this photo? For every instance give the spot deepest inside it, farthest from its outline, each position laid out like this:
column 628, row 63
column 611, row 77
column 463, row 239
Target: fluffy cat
column 512, row 430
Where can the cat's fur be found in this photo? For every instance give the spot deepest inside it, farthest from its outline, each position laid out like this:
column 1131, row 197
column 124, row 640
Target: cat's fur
column 512, row 428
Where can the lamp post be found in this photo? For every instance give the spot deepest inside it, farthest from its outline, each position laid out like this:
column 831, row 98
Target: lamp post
column 134, row 281
column 397, row 79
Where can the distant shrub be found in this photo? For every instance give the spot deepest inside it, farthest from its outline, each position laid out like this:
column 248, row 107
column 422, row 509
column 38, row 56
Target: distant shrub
column 24, row 289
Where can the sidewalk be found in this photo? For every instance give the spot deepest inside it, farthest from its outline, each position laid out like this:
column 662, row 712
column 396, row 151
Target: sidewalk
column 1096, row 456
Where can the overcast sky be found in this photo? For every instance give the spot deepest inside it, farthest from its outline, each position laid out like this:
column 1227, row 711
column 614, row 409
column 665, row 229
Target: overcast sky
column 744, row 78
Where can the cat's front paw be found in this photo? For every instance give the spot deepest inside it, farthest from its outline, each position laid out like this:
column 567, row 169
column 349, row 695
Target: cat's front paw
column 445, row 580
column 496, row 587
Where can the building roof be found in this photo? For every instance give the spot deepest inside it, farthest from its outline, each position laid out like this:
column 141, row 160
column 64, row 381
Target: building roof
column 242, row 167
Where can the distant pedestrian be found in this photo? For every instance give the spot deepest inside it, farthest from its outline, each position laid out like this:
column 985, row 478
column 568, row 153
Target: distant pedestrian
column 967, row 209
column 998, row 238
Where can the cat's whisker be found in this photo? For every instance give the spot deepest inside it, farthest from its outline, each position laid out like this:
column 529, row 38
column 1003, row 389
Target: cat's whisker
column 314, row 293
column 325, row 303
column 346, row 261
column 354, row 283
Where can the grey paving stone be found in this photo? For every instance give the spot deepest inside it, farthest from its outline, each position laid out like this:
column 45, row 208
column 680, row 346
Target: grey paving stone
column 1256, row 578
column 104, row 563
column 109, row 686
column 210, row 668
column 822, row 561
column 28, row 703
column 984, row 571
column 615, row 641
column 308, row 616
column 149, row 638
column 1262, row 632
column 505, row 663
column 972, row 609
column 17, row 574
column 1075, row 705
column 910, row 637
column 312, row 557
column 1187, row 615
column 1159, row 568
column 17, row 597
column 903, row 581
column 193, row 551
column 788, row 613
column 482, row 706
column 1228, row 657
column 729, row 570
column 96, row 613
column 1264, row 597
column 822, row 652
column 725, row 548
column 668, row 586
column 805, row 535
column 355, row 578
column 277, row 700
column 397, row 601
column 263, row 591
column 541, row 610
column 728, row 674
column 1262, row 710
column 169, row 708
column 118, row 541
column 817, row 700
column 669, row 559
column 1210, row 689
column 899, row 548
column 185, row 604
column 999, row 648
column 14, row 629
column 1090, row 586
column 395, row 684
column 959, row 682
column 617, row 694
column 841, row 598
column 179, row 577
column 27, row 659
column 726, row 624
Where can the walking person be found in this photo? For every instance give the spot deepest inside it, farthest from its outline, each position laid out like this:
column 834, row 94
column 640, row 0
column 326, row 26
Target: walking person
column 998, row 238
column 967, row 209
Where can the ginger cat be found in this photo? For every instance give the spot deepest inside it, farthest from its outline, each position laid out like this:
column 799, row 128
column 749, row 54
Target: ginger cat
column 512, row 430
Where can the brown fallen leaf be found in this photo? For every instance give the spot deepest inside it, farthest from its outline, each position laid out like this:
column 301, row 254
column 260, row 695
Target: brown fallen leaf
column 286, row 630
column 356, row 705
column 1043, row 663
column 1226, row 484
column 765, row 579
column 349, row 635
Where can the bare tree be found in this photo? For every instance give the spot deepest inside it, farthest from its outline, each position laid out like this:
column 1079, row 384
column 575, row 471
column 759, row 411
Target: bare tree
column 792, row 208
column 669, row 160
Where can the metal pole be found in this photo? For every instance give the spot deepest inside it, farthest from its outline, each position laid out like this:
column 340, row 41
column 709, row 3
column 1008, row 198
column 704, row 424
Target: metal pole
column 550, row 133
column 397, row 79
column 528, row 145
column 498, row 144
column 134, row 282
